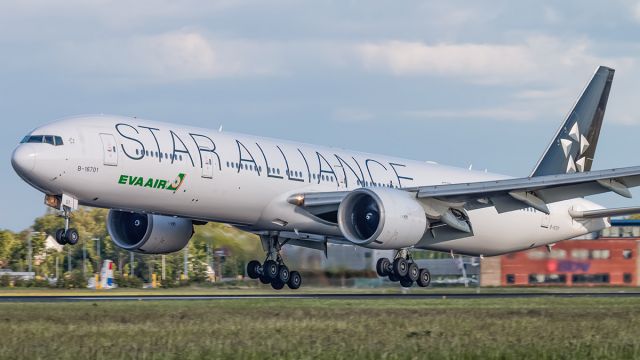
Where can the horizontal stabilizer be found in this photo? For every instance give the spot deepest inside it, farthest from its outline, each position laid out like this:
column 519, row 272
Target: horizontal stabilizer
column 602, row 213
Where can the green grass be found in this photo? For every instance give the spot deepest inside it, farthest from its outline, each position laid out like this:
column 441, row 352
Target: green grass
column 266, row 289
column 538, row 328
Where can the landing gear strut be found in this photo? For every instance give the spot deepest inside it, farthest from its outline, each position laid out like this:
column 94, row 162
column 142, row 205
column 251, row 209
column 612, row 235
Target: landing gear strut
column 403, row 269
column 273, row 271
column 67, row 235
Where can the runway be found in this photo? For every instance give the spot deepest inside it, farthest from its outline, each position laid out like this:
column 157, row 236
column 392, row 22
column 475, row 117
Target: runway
column 323, row 296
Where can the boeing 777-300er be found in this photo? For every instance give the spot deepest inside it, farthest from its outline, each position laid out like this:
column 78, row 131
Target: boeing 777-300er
column 160, row 179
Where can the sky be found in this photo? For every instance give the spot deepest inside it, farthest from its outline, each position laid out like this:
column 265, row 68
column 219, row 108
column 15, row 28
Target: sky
column 458, row 82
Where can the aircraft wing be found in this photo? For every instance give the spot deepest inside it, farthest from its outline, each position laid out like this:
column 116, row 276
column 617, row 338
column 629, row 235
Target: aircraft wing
column 505, row 194
column 535, row 191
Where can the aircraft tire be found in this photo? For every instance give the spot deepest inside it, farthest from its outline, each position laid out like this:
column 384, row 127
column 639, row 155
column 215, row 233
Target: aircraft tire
column 72, row 236
column 270, row 269
column 60, row 239
column 382, row 266
column 424, row 279
column 400, row 267
column 406, row 283
column 295, row 280
column 283, row 274
column 393, row 277
column 277, row 284
column 252, row 269
column 263, row 279
column 413, row 273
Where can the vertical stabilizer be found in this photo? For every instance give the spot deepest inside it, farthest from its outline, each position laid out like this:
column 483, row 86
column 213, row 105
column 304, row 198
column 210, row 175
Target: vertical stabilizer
column 574, row 145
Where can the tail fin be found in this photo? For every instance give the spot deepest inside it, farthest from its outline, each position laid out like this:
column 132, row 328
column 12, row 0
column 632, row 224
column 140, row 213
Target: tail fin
column 574, row 145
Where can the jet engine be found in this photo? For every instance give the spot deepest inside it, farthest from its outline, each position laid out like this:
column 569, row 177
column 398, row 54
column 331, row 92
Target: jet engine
column 381, row 218
column 148, row 234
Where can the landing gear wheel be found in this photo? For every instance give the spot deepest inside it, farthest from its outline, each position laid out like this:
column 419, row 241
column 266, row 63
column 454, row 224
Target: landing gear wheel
column 413, row 272
column 274, row 270
column 382, row 267
column 252, row 269
column 283, row 274
column 406, row 283
column 60, row 239
column 270, row 269
column 400, row 267
column 72, row 236
column 393, row 277
column 295, row 280
column 277, row 284
column 425, row 278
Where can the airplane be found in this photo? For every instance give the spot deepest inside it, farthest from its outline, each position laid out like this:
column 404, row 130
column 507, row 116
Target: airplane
column 159, row 180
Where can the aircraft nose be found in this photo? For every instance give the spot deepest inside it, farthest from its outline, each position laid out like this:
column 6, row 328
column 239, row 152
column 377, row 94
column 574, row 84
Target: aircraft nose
column 23, row 159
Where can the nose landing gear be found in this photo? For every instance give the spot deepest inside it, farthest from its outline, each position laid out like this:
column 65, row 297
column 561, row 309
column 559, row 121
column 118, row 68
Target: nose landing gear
column 67, row 235
column 274, row 271
column 403, row 269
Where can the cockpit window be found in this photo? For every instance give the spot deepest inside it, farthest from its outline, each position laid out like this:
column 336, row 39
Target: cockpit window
column 48, row 139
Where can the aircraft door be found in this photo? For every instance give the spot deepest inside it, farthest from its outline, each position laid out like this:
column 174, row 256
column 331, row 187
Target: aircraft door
column 109, row 149
column 207, row 165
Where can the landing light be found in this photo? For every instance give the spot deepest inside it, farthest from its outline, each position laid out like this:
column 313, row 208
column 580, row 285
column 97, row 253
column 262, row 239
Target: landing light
column 297, row 199
column 53, row 201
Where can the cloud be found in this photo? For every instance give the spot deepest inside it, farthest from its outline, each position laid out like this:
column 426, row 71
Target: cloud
column 535, row 59
column 408, row 58
column 168, row 57
column 353, row 115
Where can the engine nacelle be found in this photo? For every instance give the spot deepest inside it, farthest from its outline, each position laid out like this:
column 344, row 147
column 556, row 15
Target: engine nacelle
column 148, row 234
column 381, row 218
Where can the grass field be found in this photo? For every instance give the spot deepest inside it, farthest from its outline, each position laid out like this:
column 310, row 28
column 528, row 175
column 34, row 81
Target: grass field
column 266, row 289
column 538, row 328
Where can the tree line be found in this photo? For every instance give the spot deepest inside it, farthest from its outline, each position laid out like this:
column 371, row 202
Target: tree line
column 240, row 247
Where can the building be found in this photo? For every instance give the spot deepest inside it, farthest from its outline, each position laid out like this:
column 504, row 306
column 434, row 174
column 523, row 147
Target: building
column 610, row 258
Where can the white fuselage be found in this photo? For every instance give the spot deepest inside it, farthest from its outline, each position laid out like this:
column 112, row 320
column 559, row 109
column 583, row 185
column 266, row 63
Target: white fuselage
column 130, row 164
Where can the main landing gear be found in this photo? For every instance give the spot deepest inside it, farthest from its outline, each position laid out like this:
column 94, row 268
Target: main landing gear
column 67, row 235
column 403, row 269
column 273, row 271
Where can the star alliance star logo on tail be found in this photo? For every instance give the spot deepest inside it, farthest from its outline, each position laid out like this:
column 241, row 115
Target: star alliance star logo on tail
column 575, row 137
column 149, row 182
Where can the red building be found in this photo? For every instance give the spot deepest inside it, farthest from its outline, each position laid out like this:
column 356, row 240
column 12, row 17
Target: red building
column 611, row 259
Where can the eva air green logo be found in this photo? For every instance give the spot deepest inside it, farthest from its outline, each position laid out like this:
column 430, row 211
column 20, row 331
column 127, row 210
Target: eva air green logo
column 152, row 183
